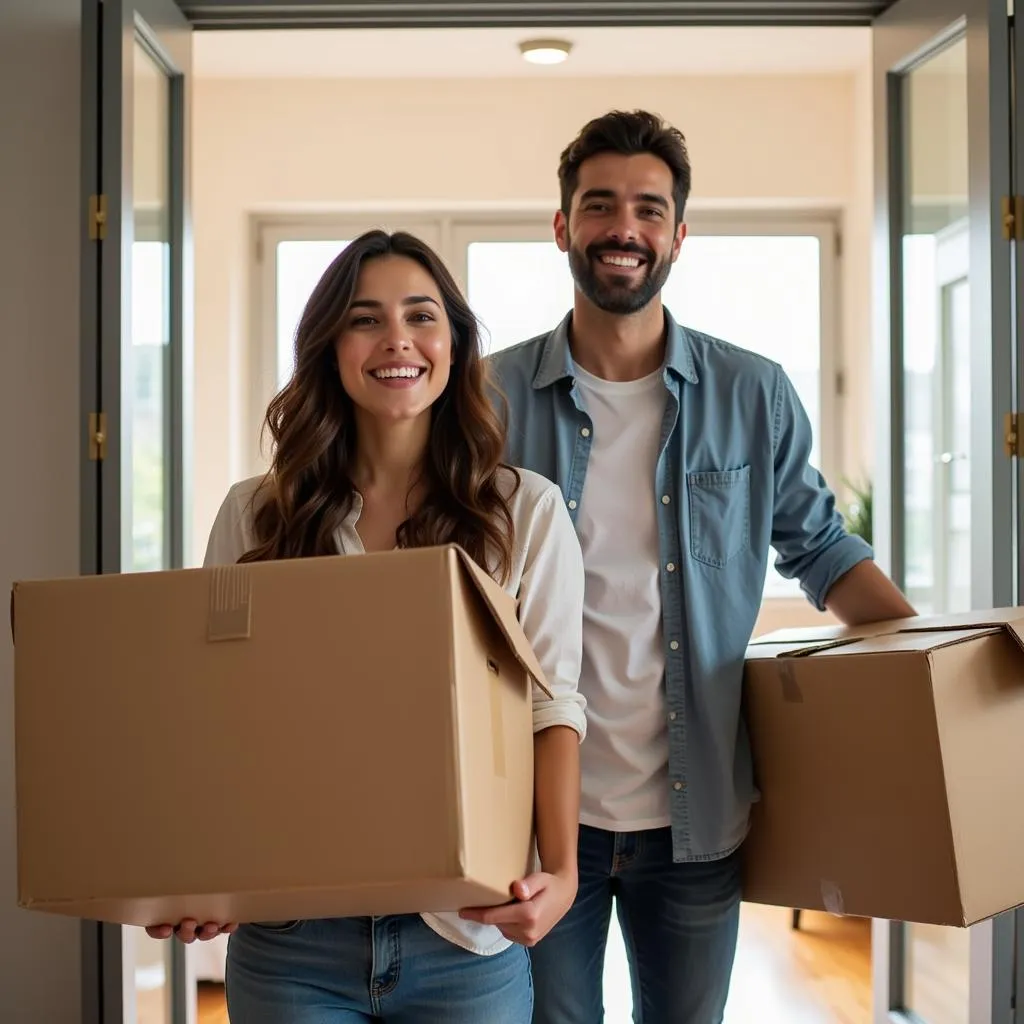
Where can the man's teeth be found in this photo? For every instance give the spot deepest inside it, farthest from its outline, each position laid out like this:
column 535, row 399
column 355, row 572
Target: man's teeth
column 398, row 371
column 621, row 261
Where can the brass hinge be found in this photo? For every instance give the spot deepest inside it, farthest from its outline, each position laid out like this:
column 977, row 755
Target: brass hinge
column 1012, row 208
column 97, row 218
column 1011, row 435
column 97, row 436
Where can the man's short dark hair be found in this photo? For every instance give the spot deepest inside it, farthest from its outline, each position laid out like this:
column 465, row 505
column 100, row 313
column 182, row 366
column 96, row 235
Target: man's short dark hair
column 628, row 133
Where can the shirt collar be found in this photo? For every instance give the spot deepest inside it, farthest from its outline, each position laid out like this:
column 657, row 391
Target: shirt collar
column 556, row 359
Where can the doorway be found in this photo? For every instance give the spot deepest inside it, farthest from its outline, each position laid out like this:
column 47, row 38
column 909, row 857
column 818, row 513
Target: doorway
column 963, row 485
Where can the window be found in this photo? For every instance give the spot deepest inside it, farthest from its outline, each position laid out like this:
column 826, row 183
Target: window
column 761, row 282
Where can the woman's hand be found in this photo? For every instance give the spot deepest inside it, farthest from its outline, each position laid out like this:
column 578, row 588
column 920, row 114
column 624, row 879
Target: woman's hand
column 540, row 901
column 189, row 930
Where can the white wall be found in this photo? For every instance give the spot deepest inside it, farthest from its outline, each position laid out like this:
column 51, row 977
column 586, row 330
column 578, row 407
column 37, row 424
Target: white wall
column 40, row 43
column 316, row 144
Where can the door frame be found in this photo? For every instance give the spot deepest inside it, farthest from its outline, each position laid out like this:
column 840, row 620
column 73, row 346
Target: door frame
column 101, row 953
column 109, row 29
column 904, row 36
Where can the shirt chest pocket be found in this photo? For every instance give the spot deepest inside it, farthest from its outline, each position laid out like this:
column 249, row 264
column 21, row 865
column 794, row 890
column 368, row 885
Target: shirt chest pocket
column 719, row 514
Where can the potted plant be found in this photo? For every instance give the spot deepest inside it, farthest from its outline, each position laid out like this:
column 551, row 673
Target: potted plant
column 857, row 513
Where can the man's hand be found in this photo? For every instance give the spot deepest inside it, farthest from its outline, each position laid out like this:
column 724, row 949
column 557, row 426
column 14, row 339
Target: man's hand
column 539, row 903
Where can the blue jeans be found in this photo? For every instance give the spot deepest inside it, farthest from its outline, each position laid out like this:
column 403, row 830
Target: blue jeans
column 388, row 969
column 679, row 923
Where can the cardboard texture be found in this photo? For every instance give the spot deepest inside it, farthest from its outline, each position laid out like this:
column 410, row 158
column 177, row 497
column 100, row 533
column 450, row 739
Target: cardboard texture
column 308, row 738
column 890, row 761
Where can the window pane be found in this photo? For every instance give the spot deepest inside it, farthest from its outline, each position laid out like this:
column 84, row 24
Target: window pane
column 762, row 292
column 537, row 270
column 300, row 265
column 145, row 542
column 936, row 335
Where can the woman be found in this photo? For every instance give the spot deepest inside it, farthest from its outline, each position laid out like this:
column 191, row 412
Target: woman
column 385, row 437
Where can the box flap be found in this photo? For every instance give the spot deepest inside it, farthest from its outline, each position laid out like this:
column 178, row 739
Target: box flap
column 503, row 608
column 799, row 641
column 813, row 636
column 908, row 641
column 793, row 649
column 1010, row 620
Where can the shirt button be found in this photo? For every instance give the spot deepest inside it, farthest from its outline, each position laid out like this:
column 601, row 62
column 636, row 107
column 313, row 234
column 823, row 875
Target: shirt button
column 674, row 645
column 671, row 716
column 665, row 499
column 677, row 786
column 585, row 431
column 572, row 503
column 671, row 567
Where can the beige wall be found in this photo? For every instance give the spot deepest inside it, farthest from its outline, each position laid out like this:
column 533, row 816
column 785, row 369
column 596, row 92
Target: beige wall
column 317, row 144
column 40, row 97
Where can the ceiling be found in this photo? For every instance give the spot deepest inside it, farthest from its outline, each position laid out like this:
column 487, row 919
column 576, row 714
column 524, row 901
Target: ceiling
column 213, row 14
column 494, row 53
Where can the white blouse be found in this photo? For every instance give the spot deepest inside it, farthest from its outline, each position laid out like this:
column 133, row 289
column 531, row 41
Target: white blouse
column 546, row 579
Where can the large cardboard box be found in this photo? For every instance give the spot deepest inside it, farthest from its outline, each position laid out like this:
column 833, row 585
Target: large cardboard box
column 890, row 761
column 315, row 737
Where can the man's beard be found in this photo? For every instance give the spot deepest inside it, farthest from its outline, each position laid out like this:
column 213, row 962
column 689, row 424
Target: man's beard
column 618, row 298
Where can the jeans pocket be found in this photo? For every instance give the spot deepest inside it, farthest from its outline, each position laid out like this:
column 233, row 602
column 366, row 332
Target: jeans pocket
column 277, row 926
column 719, row 514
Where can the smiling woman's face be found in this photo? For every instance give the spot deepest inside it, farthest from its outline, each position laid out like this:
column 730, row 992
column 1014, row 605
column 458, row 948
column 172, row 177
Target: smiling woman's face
column 395, row 347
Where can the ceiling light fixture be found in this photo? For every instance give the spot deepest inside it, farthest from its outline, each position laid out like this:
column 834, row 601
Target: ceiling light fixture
column 545, row 51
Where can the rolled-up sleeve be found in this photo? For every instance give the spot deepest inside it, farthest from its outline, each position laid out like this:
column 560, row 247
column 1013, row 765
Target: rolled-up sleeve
column 808, row 532
column 551, row 612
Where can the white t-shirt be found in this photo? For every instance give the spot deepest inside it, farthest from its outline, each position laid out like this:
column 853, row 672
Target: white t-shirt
column 625, row 758
column 547, row 579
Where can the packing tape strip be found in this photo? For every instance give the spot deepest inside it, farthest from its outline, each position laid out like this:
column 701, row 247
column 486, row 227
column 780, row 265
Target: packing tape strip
column 497, row 721
column 832, row 898
column 230, row 615
column 791, row 692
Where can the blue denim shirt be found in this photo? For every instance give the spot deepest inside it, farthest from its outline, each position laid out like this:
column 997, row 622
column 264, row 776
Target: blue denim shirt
column 732, row 479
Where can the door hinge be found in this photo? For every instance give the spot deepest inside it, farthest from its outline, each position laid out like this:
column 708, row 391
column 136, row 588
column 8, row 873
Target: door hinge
column 97, row 436
column 1011, row 435
column 97, row 218
column 1012, row 209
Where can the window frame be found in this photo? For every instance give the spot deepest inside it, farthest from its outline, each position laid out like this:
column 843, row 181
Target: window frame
column 450, row 232
column 823, row 226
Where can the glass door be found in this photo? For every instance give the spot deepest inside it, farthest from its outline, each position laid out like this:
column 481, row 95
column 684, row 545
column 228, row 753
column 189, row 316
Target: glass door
column 136, row 368
column 944, row 383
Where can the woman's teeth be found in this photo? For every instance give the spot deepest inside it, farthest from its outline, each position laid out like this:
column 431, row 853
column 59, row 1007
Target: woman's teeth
column 400, row 371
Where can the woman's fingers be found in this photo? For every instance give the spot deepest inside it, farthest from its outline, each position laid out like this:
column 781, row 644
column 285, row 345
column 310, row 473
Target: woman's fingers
column 189, row 930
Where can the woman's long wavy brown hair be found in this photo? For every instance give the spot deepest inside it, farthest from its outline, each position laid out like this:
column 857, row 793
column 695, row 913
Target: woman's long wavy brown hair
column 308, row 491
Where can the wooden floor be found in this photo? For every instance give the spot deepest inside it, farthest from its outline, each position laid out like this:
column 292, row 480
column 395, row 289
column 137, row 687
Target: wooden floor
column 818, row 975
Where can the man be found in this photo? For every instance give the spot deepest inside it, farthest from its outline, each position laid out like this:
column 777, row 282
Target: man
column 681, row 460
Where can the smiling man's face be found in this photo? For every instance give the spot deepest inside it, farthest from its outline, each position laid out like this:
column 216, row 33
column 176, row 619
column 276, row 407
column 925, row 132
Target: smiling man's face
column 620, row 234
